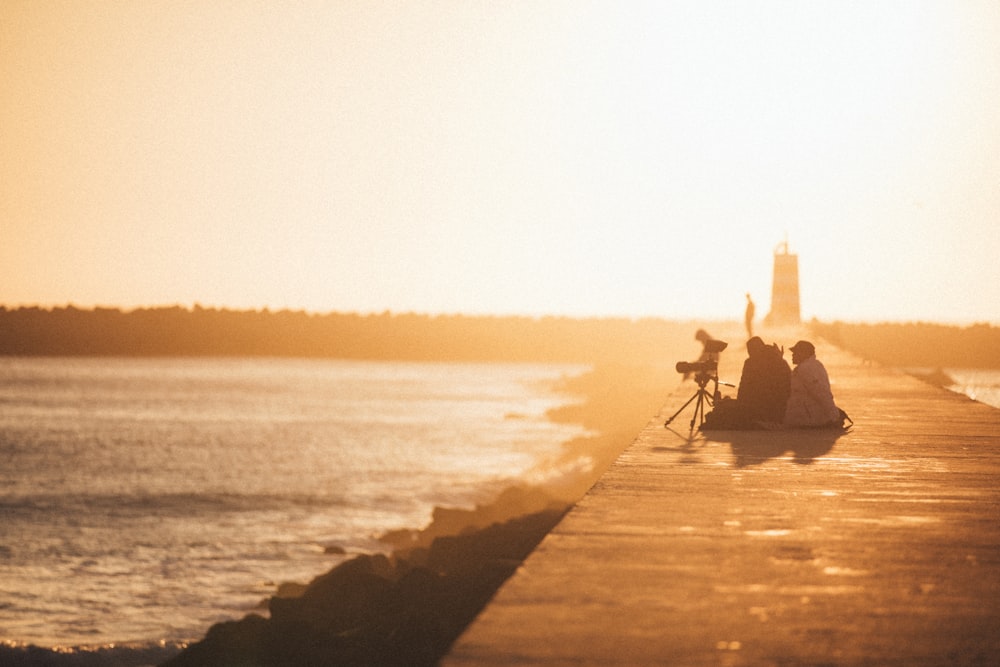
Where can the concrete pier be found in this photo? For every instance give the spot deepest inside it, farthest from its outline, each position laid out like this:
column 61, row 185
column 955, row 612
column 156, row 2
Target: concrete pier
column 876, row 547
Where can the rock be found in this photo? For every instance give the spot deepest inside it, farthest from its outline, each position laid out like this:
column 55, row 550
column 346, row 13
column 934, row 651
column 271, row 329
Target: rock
column 290, row 589
column 376, row 610
column 465, row 554
column 229, row 644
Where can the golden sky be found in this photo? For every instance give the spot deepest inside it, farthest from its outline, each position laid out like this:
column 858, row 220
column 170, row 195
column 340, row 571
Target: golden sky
column 564, row 157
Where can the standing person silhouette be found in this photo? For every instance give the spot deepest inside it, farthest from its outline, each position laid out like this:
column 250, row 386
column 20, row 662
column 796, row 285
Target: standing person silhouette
column 748, row 316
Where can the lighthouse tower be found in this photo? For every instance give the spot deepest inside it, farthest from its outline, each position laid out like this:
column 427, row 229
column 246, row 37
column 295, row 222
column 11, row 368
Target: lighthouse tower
column 784, row 288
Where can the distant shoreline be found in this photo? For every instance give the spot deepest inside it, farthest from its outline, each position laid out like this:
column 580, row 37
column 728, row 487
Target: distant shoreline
column 176, row 331
column 198, row 332
column 915, row 345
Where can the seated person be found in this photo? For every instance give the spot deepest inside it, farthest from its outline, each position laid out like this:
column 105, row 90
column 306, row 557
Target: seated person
column 705, row 339
column 764, row 384
column 810, row 403
column 762, row 393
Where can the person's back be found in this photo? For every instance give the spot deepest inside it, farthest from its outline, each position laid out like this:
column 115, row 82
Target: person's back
column 764, row 384
column 810, row 402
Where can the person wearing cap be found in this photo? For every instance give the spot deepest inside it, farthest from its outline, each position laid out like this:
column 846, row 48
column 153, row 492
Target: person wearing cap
column 810, row 402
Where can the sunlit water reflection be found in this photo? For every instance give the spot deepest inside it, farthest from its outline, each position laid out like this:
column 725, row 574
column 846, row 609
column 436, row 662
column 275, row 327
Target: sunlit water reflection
column 147, row 499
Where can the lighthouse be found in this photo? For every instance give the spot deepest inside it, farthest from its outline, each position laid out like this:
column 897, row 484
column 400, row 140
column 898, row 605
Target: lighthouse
column 784, row 288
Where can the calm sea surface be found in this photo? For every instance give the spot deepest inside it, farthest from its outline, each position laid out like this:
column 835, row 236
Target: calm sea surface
column 145, row 499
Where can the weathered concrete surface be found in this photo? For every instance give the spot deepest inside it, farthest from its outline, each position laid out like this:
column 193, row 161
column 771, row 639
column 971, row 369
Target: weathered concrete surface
column 878, row 547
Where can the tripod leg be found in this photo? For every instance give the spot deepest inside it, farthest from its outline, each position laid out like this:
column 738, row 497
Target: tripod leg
column 674, row 416
column 699, row 409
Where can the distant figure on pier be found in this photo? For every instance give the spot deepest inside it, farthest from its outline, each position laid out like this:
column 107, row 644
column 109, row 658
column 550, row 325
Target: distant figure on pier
column 748, row 316
column 810, row 402
column 765, row 384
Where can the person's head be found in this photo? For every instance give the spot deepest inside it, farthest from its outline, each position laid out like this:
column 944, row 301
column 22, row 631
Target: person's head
column 701, row 335
column 755, row 346
column 801, row 351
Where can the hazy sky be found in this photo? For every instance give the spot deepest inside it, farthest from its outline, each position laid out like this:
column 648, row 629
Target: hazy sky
column 526, row 157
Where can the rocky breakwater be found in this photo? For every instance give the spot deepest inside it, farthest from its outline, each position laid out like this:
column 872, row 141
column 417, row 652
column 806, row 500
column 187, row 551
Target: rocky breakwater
column 400, row 609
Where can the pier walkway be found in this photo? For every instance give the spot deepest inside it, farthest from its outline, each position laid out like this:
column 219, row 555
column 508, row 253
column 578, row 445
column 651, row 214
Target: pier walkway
column 877, row 547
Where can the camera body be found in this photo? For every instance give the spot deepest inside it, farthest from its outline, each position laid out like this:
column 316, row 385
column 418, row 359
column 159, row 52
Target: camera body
column 697, row 366
column 704, row 370
column 709, row 361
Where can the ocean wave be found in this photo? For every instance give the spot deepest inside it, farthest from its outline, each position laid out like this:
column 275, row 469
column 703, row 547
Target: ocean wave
column 108, row 655
column 162, row 504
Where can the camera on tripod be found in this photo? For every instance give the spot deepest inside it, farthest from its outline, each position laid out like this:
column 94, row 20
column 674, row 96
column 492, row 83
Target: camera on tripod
column 708, row 364
column 705, row 370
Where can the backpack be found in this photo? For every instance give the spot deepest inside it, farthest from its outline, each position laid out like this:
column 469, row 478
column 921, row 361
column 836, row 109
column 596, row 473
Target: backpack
column 843, row 422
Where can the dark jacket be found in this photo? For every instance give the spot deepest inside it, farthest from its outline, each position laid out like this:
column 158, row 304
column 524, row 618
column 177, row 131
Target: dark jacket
column 764, row 386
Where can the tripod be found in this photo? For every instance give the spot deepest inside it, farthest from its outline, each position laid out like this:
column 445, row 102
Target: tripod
column 702, row 396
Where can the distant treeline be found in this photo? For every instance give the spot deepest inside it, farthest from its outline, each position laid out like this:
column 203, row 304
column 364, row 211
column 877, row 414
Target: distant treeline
column 177, row 331
column 917, row 344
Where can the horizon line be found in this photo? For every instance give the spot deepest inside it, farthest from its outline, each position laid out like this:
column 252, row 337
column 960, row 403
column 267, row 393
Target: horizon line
column 196, row 306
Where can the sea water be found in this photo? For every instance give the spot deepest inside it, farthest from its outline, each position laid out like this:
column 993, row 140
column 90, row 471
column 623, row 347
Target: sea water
column 142, row 500
column 982, row 385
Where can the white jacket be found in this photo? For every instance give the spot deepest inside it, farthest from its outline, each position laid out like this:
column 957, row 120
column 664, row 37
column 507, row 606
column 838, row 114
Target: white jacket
column 811, row 400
